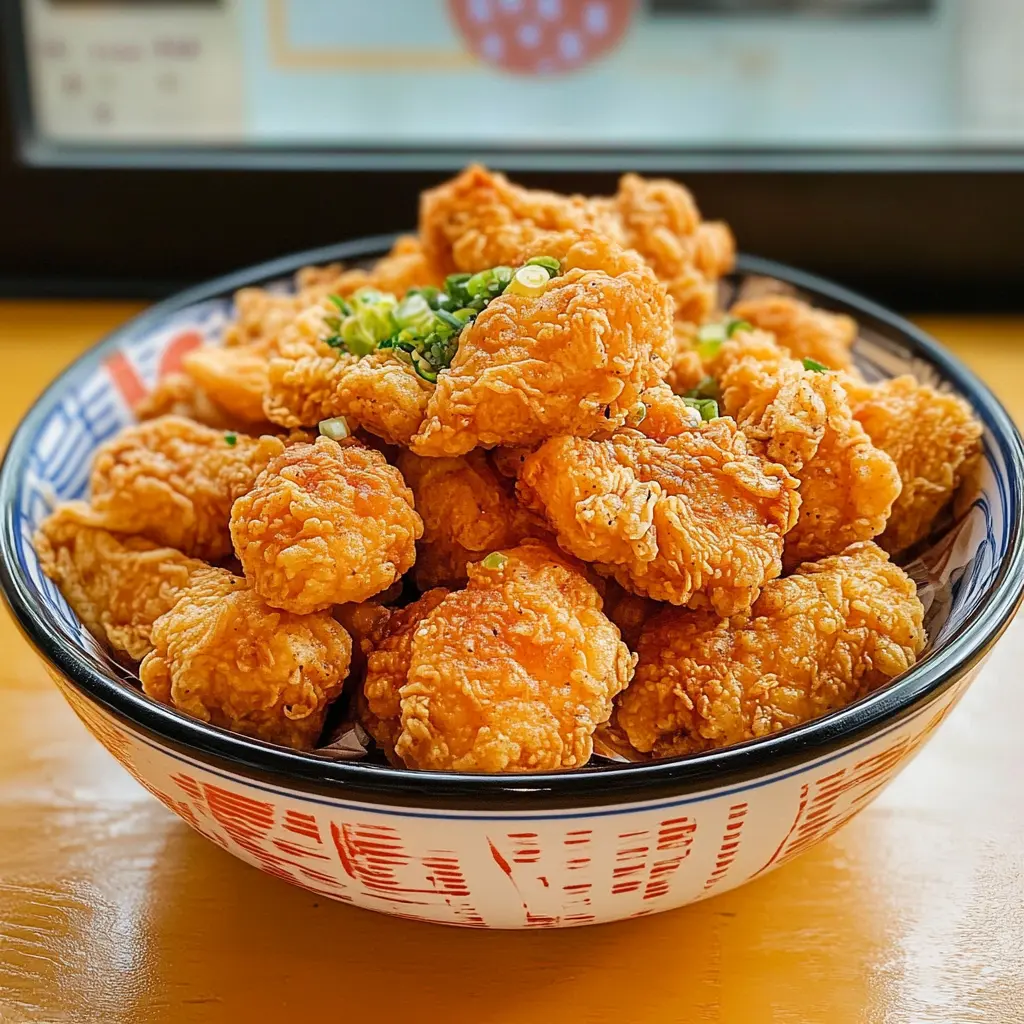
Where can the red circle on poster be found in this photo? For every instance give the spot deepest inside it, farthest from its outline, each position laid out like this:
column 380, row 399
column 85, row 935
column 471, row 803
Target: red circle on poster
column 536, row 37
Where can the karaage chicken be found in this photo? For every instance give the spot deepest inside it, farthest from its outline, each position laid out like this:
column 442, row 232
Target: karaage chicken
column 174, row 481
column 222, row 656
column 802, row 330
column 800, row 418
column 573, row 358
column 325, row 524
column 829, row 634
column 468, row 510
column 932, row 437
column 698, row 520
column 513, row 673
column 118, row 586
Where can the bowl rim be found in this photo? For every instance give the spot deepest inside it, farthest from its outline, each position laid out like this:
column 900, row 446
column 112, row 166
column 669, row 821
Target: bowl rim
column 603, row 785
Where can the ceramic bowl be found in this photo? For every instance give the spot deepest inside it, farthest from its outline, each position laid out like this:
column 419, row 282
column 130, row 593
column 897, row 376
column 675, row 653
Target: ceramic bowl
column 521, row 851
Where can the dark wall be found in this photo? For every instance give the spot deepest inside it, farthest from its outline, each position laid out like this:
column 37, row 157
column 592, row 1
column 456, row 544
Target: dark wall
column 918, row 240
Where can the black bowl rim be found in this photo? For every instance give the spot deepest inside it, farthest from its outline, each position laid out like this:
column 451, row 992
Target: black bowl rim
column 606, row 785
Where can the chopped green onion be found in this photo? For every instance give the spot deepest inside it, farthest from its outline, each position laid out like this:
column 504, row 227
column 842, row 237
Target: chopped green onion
column 732, row 325
column 530, row 281
column 450, row 319
column 639, row 414
column 231, row 439
column 336, row 429
column 495, row 560
column 432, row 295
column 707, row 388
column 414, row 311
column 423, row 368
column 549, row 263
column 342, row 305
column 815, row 367
column 707, row 407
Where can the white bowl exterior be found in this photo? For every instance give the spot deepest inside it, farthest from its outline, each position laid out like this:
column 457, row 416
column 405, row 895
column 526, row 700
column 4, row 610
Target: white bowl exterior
column 522, row 870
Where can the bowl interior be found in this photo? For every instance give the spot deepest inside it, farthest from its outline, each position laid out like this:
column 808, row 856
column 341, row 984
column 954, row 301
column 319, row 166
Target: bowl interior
column 957, row 571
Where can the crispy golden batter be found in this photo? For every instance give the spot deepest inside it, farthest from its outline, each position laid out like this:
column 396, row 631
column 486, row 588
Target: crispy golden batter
column 931, row 436
column 174, row 481
column 405, row 267
column 685, row 368
column 813, row 642
column 663, row 224
column 235, row 378
column 629, row 611
column 310, row 381
column 802, row 420
column 118, row 586
column 665, row 415
column 261, row 316
column 178, row 394
column 512, row 674
column 222, row 656
column 572, row 360
column 468, row 511
column 325, row 524
column 697, row 520
column 479, row 219
column 805, row 332
column 388, row 656
column 509, row 461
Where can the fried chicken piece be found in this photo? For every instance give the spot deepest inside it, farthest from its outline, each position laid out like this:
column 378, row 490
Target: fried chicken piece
column 117, row 586
column 813, row 642
column 695, row 521
column 512, row 674
column 174, row 481
column 222, row 656
column 468, row 511
column 234, row 378
column 663, row 224
column 509, row 461
column 262, row 315
column 571, row 360
column 629, row 611
column 684, row 366
column 365, row 624
column 405, row 267
column 325, row 524
column 802, row 420
column 178, row 394
column 309, row 381
column 479, row 219
column 803, row 331
column 665, row 415
column 932, row 437
column 388, row 658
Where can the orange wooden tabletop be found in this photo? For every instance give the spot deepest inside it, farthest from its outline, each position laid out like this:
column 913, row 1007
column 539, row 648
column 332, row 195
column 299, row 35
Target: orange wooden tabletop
column 112, row 910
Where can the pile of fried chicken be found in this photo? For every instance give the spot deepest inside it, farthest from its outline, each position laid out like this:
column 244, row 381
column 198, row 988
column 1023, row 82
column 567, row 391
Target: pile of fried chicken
column 520, row 487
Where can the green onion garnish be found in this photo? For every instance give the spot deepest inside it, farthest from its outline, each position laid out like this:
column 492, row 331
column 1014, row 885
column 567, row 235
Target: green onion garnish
column 814, row 366
column 231, row 439
column 707, row 407
column 422, row 330
column 336, row 429
column 495, row 560
column 707, row 388
column 549, row 263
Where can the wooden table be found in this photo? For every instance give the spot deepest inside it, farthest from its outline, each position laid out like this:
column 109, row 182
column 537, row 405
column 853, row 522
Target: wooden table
column 113, row 910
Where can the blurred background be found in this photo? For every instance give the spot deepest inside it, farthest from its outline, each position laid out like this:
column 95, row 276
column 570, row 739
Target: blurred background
column 147, row 144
